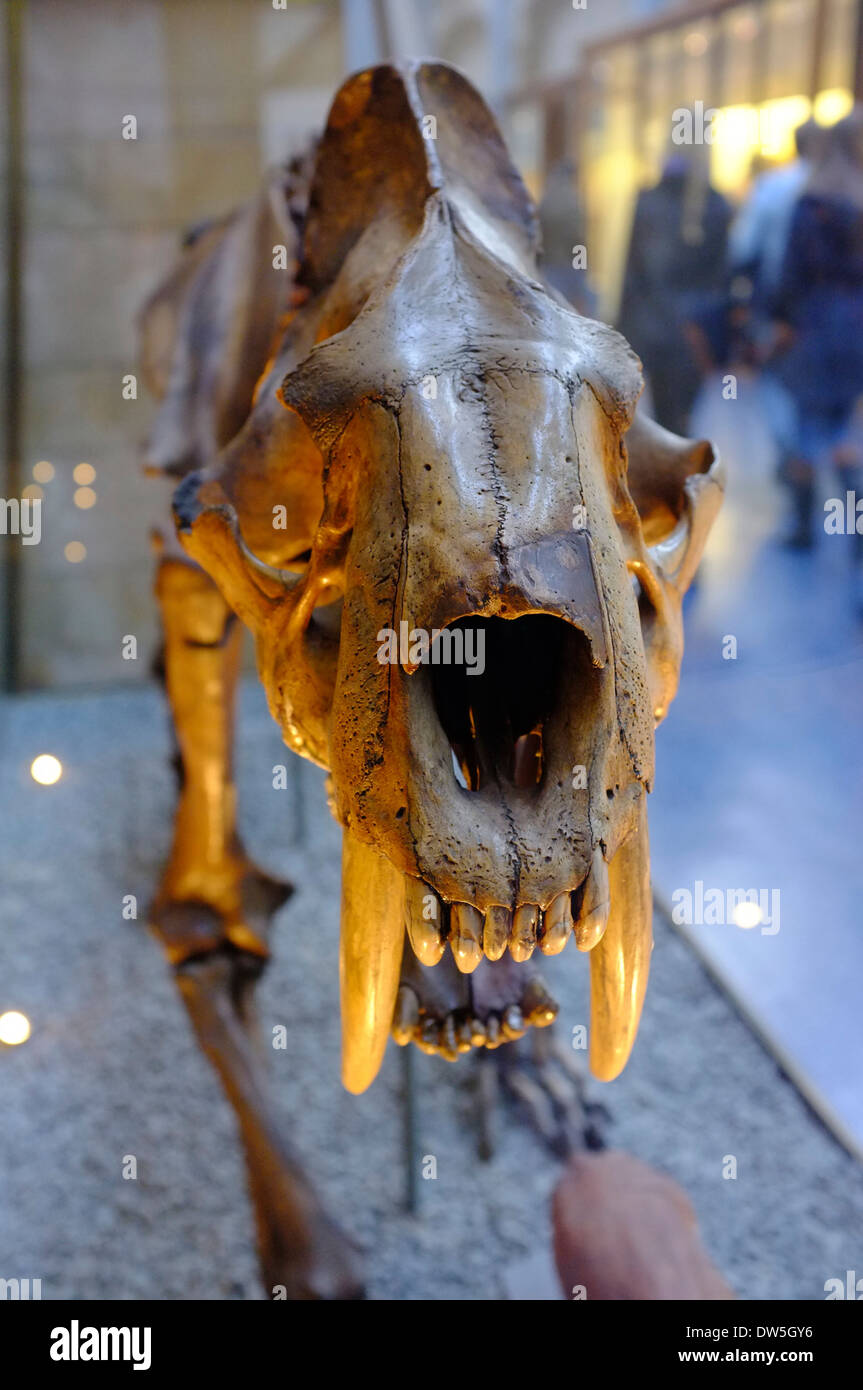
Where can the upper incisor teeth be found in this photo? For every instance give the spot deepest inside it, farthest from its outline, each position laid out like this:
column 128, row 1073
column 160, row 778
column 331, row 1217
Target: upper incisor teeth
column 556, row 925
column 524, row 927
column 498, row 925
column 473, row 935
column 595, row 904
column 466, row 933
column 424, row 921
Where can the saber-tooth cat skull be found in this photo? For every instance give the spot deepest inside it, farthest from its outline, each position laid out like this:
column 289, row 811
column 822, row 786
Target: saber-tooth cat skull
column 440, row 443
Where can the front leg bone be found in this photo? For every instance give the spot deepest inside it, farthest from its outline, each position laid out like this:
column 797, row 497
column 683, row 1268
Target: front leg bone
column 301, row 1250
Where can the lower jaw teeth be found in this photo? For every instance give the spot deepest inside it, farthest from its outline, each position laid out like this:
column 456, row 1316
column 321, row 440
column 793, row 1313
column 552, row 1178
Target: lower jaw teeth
column 458, row 1032
column 613, row 921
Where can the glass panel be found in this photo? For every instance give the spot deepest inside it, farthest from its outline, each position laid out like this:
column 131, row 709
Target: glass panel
column 105, row 215
column 613, row 172
column 840, row 41
column 742, row 33
column 790, row 33
column 697, row 76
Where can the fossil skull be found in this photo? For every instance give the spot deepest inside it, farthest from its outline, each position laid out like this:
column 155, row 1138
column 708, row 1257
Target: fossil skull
column 452, row 455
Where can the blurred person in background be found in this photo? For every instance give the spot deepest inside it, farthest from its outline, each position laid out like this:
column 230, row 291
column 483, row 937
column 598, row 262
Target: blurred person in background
column 757, row 246
column 564, row 234
column 675, row 270
column 819, row 313
column 759, row 235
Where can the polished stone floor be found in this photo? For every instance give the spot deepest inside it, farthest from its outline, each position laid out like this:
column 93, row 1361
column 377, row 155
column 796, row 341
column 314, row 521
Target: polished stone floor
column 760, row 771
column 111, row 1069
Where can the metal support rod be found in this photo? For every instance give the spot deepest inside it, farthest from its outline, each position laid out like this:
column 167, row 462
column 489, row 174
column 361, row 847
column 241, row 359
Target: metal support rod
column 409, row 1133
column 13, row 382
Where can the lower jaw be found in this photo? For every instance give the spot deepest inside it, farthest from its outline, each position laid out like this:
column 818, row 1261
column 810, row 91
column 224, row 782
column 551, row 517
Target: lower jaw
column 613, row 909
column 446, row 1012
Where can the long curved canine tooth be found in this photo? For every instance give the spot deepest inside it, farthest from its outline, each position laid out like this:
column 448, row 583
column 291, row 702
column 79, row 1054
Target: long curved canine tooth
column 495, row 937
column 370, row 954
column 556, row 925
column 522, row 939
column 406, row 1015
column 465, row 936
column 620, row 962
column 424, row 922
column 595, row 904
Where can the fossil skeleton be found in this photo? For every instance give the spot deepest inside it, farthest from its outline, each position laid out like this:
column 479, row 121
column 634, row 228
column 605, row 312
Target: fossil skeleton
column 385, row 421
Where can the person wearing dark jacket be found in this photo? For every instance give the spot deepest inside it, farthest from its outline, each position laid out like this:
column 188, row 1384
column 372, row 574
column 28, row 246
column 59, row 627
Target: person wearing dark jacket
column 675, row 269
column 819, row 309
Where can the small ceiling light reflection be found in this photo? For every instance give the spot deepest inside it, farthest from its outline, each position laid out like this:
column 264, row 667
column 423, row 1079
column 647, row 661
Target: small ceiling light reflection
column 43, row 471
column 747, row 915
column 14, row 1028
column 34, row 492
column 695, row 44
column 745, row 26
column 75, row 552
column 84, row 473
column 46, row 769
column 84, row 498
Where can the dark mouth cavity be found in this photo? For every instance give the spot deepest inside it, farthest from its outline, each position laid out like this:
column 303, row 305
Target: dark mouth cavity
column 497, row 722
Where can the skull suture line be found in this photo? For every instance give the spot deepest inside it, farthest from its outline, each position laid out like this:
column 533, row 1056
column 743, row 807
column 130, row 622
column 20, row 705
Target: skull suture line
column 463, row 824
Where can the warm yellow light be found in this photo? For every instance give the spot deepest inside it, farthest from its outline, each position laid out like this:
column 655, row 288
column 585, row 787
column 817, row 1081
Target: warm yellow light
column 742, row 132
column 43, row 471
column 46, row 769
column 735, row 141
column 832, row 105
column 696, row 43
column 777, row 122
column 14, row 1028
column 747, row 915
column 75, row 552
column 84, row 498
column 33, row 491
column 84, row 473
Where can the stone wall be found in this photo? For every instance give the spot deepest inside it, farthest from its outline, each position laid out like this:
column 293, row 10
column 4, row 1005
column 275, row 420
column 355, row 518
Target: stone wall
column 217, row 87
